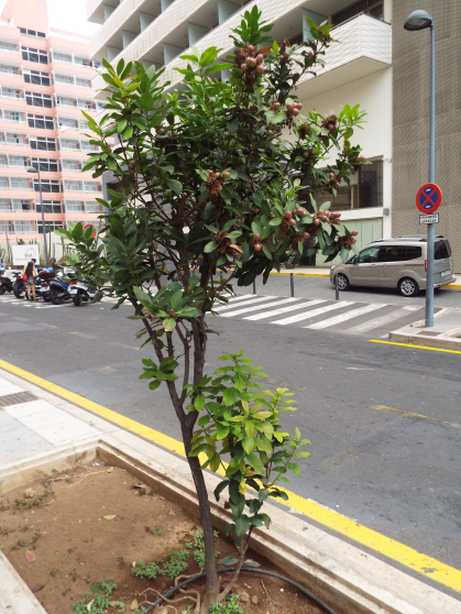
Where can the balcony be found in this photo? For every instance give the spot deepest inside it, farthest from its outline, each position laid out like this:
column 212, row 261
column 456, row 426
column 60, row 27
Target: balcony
column 363, row 45
column 95, row 9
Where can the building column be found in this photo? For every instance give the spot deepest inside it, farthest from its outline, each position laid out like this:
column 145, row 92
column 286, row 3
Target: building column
column 225, row 10
column 170, row 52
column 144, row 20
column 164, row 4
column 195, row 33
column 316, row 17
column 112, row 52
column 108, row 10
column 127, row 38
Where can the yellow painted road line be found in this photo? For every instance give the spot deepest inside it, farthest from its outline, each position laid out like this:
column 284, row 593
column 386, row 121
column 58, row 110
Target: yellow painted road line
column 430, row 568
column 414, row 346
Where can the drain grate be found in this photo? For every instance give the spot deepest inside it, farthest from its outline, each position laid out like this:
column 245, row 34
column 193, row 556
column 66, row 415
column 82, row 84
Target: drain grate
column 17, row 397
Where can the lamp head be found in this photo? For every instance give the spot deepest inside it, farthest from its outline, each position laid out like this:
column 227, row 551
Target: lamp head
column 418, row 20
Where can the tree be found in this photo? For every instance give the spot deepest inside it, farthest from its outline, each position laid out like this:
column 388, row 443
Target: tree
column 217, row 183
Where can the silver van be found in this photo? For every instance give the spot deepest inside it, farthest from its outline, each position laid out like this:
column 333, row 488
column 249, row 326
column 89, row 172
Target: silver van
column 395, row 263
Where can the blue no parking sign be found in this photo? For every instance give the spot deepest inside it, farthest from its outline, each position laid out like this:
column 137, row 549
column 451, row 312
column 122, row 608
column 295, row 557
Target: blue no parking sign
column 428, row 198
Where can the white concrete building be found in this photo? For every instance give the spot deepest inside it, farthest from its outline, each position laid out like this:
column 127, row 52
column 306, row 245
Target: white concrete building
column 358, row 69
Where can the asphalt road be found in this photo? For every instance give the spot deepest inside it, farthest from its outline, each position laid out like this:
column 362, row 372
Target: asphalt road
column 373, row 459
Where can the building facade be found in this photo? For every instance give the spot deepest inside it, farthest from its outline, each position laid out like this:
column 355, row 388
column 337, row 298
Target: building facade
column 45, row 82
column 411, row 117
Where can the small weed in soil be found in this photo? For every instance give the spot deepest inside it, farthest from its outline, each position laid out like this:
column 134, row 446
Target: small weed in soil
column 231, row 606
column 99, row 600
column 175, row 564
column 22, row 543
column 149, row 571
column 31, row 500
column 197, row 545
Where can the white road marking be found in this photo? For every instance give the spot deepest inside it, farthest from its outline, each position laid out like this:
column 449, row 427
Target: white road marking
column 299, row 317
column 289, row 309
column 252, row 301
column 245, row 309
column 394, row 315
column 343, row 317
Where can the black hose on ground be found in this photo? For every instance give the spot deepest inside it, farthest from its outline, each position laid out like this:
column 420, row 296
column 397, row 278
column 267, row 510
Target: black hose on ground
column 245, row 569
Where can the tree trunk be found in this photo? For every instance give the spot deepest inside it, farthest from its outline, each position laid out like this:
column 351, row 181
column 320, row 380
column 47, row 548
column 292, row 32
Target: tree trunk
column 212, row 579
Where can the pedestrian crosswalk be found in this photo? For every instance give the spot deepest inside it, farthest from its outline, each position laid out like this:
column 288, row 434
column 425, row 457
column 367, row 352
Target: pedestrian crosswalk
column 317, row 314
column 348, row 317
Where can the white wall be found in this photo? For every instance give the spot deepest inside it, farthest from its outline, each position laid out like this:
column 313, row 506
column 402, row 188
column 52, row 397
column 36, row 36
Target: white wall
column 374, row 94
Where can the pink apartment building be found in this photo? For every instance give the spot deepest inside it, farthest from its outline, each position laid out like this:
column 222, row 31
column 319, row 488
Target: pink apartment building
column 45, row 82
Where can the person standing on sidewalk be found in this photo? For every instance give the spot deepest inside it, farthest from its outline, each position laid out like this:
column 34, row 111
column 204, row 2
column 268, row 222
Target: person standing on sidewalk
column 28, row 276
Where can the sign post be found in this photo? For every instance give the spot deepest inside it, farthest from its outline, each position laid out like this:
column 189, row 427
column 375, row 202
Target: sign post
column 428, row 201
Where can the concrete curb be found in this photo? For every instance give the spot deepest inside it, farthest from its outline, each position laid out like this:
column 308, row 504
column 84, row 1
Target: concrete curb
column 347, row 578
column 15, row 595
column 440, row 342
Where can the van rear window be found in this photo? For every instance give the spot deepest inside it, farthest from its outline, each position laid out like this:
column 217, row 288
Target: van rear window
column 442, row 249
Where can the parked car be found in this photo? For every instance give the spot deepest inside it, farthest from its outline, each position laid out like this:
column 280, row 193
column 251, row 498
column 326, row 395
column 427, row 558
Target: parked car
column 395, row 263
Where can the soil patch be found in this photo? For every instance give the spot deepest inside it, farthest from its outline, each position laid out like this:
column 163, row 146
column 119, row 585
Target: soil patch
column 93, row 524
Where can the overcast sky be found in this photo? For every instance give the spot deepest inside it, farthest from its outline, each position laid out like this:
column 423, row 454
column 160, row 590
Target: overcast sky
column 68, row 15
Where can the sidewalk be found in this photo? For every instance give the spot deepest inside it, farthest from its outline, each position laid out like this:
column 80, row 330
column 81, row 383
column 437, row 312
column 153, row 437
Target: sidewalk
column 39, row 429
column 325, row 272
column 445, row 334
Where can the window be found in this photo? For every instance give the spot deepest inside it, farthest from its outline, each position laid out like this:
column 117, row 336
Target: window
column 73, row 186
column 4, row 183
column 5, row 204
column 60, row 56
column 22, row 205
column 67, row 122
column 46, row 164
column 7, row 226
column 24, row 226
column 8, row 46
column 16, row 139
column 71, row 165
column 28, row 32
column 3, row 160
column 43, row 142
column 34, row 55
column 39, row 100
column 13, row 116
column 81, row 60
column 370, row 254
column 37, row 77
column 442, row 249
column 12, row 92
column 48, row 185
column 91, row 186
column 49, row 226
column 85, row 104
column 364, row 190
column 68, row 79
column 18, row 161
column 7, row 68
column 83, row 124
column 66, row 101
column 92, row 207
column 69, row 144
column 40, row 121
column 74, row 205
column 20, row 182
column 398, row 253
column 374, row 8
column 83, row 82
column 87, row 146
column 49, row 206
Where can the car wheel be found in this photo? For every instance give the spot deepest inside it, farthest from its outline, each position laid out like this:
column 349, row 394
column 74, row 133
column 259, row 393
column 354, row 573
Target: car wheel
column 408, row 287
column 342, row 282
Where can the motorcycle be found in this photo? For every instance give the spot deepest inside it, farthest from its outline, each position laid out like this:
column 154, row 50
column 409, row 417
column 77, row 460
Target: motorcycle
column 81, row 293
column 59, row 290
column 6, row 284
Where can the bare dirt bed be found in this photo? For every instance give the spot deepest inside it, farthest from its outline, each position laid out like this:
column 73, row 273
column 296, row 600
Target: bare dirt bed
column 91, row 525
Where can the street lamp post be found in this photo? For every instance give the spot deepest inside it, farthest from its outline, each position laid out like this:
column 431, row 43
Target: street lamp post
column 421, row 20
column 36, row 171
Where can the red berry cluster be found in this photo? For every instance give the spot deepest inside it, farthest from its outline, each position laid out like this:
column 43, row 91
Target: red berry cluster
column 250, row 60
column 215, row 183
column 330, row 123
column 348, row 241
